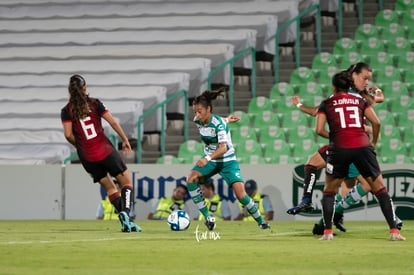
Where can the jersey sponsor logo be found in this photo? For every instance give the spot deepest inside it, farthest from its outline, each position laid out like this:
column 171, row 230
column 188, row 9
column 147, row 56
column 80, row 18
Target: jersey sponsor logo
column 399, row 183
column 207, row 132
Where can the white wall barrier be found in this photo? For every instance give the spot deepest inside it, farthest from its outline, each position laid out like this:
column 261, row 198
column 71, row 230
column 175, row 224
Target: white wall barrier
column 67, row 192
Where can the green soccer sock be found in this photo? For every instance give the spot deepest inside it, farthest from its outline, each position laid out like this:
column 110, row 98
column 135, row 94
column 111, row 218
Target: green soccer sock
column 198, row 198
column 251, row 207
column 352, row 198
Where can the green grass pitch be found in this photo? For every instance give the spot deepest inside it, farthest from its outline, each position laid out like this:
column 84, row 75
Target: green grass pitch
column 98, row 247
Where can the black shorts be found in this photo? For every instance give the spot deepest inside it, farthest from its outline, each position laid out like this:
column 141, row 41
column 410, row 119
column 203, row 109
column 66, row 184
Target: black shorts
column 323, row 151
column 112, row 164
column 364, row 158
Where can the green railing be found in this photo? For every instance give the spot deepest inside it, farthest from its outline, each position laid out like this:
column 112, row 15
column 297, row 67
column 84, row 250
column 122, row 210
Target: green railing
column 361, row 10
column 162, row 106
column 297, row 42
column 230, row 62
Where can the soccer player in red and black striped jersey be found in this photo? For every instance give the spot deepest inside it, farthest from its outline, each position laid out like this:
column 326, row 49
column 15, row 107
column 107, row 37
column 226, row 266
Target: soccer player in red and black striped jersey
column 82, row 126
column 349, row 143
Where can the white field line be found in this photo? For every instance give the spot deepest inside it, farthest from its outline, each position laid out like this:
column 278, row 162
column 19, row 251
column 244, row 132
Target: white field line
column 139, row 236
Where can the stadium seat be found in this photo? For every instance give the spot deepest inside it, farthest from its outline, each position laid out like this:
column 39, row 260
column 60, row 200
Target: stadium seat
column 400, row 103
column 301, row 75
column 325, row 78
column 293, row 119
column 403, row 5
column 189, row 150
column 397, row 47
column 391, row 147
column 276, row 147
column 241, row 133
column 406, row 117
column 279, row 159
column 389, row 131
column 364, row 32
column 270, row 133
column 248, row 147
column 281, row 89
column 266, row 119
column 344, row 45
column 259, row 104
column 322, row 60
column 252, row 159
column 394, row 159
column 386, row 74
column 295, row 135
column 392, row 31
column 285, row 104
column 244, row 120
column 310, row 88
column 407, row 18
column 168, row 159
column 304, row 148
column 348, row 59
column 380, row 59
column 386, row 117
column 409, row 79
column 386, row 17
column 371, row 46
column 394, row 89
column 406, row 62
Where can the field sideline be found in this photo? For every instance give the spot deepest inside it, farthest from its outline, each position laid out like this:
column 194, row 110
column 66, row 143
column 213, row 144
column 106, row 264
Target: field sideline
column 98, row 247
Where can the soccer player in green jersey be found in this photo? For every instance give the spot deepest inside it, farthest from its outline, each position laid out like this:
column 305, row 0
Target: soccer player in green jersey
column 218, row 158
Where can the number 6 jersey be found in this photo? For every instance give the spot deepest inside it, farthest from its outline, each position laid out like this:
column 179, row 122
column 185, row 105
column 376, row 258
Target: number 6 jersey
column 91, row 142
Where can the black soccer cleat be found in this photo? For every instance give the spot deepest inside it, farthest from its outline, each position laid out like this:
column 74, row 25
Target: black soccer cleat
column 302, row 207
column 210, row 222
column 264, row 226
column 338, row 221
column 318, row 229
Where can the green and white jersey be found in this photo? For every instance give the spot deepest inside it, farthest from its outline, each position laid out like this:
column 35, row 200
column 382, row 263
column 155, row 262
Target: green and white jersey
column 214, row 133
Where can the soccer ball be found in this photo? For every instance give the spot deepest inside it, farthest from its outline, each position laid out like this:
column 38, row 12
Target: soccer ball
column 178, row 220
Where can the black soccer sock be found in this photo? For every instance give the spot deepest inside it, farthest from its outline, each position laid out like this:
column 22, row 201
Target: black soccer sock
column 126, row 192
column 310, row 179
column 385, row 203
column 328, row 206
column 116, row 201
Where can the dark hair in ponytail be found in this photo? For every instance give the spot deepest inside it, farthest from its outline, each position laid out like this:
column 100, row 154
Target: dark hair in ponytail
column 206, row 97
column 78, row 99
column 342, row 81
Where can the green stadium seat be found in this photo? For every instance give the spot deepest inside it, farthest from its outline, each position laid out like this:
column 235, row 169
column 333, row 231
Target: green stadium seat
column 371, row 46
column 241, row 133
column 380, row 59
column 279, row 159
column 364, row 32
column 285, row 104
column 406, row 61
column 295, row 135
column 248, row 147
column 281, row 89
column 322, row 60
column 386, row 117
column 305, row 147
column 244, row 120
column 407, row 18
column 344, row 45
column 265, row 119
column 390, row 131
column 252, row 159
column 386, row 74
column 406, row 117
column 293, row 119
column 409, row 78
column 301, row 75
column 403, row 5
column 259, row 104
column 276, row 147
column 310, row 88
column 392, row 31
column 394, row 159
column 400, row 103
column 168, row 159
column 348, row 59
column 325, row 78
column 408, row 132
column 397, row 47
column 394, row 89
column 190, row 150
column 386, row 17
column 391, row 147
column 270, row 133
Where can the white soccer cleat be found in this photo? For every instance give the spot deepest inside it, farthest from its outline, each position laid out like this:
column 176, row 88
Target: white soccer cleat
column 327, row 235
column 395, row 235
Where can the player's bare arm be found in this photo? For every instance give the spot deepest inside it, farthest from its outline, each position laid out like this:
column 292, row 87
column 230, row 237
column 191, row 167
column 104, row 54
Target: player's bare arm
column 320, row 126
column 375, row 124
column 312, row 111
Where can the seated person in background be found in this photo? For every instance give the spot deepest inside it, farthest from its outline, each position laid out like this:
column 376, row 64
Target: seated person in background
column 163, row 207
column 262, row 201
column 106, row 210
column 217, row 207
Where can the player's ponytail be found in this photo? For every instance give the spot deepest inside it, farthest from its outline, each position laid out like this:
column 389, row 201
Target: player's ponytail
column 78, row 98
column 207, row 97
column 342, row 81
